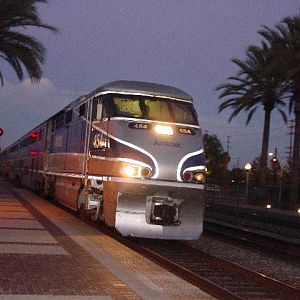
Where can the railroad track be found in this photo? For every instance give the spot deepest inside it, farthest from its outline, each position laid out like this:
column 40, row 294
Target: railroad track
column 218, row 277
column 287, row 226
column 247, row 237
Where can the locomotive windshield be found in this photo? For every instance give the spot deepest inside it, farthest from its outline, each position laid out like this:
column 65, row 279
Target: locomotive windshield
column 152, row 108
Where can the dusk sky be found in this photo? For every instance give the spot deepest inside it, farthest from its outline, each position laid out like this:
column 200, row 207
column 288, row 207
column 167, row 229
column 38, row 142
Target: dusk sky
column 187, row 44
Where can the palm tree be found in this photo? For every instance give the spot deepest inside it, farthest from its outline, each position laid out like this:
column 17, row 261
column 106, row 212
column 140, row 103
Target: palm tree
column 285, row 41
column 18, row 49
column 253, row 87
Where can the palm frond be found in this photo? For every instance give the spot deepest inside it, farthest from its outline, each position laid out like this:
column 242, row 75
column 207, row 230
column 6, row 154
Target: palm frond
column 283, row 115
column 250, row 115
column 20, row 51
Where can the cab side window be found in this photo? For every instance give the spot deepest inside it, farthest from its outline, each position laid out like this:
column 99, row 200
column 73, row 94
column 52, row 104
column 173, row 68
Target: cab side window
column 99, row 112
column 82, row 109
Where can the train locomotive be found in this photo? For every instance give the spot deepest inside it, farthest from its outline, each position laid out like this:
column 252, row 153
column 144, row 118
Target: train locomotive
column 129, row 154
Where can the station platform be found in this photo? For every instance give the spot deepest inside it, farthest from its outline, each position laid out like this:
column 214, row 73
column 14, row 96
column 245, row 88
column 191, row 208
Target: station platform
column 47, row 253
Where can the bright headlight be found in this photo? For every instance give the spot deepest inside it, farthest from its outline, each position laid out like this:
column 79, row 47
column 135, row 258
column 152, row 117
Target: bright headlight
column 136, row 171
column 131, row 171
column 163, row 129
column 200, row 177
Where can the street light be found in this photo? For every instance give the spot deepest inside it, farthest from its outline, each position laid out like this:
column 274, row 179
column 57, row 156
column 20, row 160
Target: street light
column 248, row 167
column 268, row 218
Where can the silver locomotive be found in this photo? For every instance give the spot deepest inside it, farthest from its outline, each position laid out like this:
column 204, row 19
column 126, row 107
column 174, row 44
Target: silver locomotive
column 129, row 154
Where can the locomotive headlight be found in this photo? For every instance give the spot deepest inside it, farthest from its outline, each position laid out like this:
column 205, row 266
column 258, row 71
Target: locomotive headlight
column 197, row 177
column 131, row 171
column 200, row 177
column 136, row 171
column 163, row 129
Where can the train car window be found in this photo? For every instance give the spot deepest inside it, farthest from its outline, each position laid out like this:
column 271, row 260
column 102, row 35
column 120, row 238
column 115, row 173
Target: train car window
column 82, row 110
column 41, row 134
column 59, row 121
column 14, row 148
column 69, row 115
column 25, row 142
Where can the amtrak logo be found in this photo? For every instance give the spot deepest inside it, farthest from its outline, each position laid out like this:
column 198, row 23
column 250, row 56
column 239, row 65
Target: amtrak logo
column 167, row 144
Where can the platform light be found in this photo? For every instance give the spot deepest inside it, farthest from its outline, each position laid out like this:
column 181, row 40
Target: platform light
column 248, row 168
column 268, row 206
column 163, row 129
column 298, row 210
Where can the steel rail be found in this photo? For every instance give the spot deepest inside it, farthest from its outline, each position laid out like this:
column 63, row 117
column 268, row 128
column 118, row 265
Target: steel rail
column 218, row 277
column 274, row 245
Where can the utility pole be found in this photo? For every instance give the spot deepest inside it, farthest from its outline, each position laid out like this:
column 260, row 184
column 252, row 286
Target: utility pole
column 290, row 148
column 228, row 143
column 238, row 163
column 274, row 166
column 1, row 133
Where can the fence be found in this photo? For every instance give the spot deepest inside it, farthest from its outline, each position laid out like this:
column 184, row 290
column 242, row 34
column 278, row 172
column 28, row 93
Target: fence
column 276, row 196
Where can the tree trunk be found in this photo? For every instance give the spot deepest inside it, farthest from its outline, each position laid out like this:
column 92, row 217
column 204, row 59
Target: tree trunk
column 264, row 148
column 262, row 196
column 294, row 189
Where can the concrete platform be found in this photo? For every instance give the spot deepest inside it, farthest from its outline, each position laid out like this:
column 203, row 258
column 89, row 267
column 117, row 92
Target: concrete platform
column 46, row 253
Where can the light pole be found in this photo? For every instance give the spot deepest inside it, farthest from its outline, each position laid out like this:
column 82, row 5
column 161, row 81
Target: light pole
column 274, row 165
column 277, row 174
column 247, row 168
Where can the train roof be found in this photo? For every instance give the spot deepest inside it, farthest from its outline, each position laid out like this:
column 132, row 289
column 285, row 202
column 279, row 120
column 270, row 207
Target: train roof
column 73, row 104
column 142, row 88
column 122, row 86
